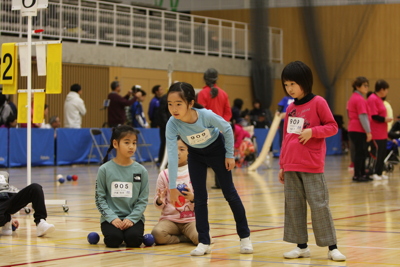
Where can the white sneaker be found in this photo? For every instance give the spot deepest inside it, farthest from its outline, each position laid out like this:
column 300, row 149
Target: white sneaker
column 335, row 255
column 44, row 228
column 297, row 253
column 7, row 229
column 201, row 250
column 376, row 177
column 384, row 176
column 245, row 246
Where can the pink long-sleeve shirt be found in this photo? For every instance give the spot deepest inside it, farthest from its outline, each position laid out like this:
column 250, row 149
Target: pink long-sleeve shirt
column 309, row 157
column 184, row 214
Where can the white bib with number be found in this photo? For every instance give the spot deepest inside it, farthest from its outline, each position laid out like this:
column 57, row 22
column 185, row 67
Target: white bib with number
column 295, row 125
column 121, row 189
column 199, row 138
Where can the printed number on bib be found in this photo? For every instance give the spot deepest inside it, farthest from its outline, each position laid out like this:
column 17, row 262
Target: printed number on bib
column 295, row 125
column 121, row 189
column 199, row 138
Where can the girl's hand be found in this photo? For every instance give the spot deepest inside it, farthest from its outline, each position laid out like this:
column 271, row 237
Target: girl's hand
column 15, row 223
column 161, row 196
column 188, row 194
column 117, row 223
column 229, row 164
column 305, row 135
column 281, row 176
column 126, row 223
column 174, row 196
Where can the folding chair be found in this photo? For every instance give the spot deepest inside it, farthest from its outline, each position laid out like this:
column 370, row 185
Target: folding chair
column 142, row 143
column 99, row 142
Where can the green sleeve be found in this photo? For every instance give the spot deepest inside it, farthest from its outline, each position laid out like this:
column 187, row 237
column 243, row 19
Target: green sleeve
column 142, row 200
column 100, row 197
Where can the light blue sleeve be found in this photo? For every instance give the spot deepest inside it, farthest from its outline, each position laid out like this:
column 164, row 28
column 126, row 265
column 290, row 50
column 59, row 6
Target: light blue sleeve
column 172, row 149
column 226, row 130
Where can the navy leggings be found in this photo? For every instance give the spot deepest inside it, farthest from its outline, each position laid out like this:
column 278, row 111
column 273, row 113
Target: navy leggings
column 199, row 159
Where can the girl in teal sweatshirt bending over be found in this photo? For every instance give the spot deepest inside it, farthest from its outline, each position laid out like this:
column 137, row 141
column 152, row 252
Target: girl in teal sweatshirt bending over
column 122, row 191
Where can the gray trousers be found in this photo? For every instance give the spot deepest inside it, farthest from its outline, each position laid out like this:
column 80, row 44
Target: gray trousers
column 300, row 188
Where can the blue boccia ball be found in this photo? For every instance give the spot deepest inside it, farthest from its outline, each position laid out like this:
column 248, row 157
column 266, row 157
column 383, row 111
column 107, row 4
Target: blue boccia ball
column 14, row 228
column 148, row 240
column 93, row 238
column 61, row 180
column 69, row 177
column 181, row 188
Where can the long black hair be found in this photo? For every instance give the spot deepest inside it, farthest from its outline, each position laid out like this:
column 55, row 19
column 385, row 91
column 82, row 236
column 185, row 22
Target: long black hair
column 186, row 92
column 118, row 133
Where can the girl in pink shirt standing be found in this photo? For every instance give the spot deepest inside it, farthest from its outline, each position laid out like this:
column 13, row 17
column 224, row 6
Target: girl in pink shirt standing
column 177, row 223
column 308, row 122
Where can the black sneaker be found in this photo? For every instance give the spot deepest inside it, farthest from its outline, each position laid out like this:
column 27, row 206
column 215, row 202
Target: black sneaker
column 360, row 179
column 367, row 177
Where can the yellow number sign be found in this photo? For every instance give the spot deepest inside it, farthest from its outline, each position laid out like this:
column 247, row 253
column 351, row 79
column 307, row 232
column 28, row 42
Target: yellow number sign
column 9, row 68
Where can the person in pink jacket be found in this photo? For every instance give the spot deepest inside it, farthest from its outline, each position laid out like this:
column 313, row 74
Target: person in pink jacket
column 379, row 121
column 308, row 122
column 177, row 223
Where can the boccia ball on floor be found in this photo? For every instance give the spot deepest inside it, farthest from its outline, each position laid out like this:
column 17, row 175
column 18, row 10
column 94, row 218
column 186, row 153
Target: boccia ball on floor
column 74, row 177
column 93, row 238
column 61, row 180
column 69, row 177
column 148, row 240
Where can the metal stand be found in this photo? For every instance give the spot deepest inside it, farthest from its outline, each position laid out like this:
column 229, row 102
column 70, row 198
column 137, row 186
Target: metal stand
column 29, row 11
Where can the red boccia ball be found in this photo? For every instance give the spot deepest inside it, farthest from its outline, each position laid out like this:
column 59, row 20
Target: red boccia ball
column 74, row 177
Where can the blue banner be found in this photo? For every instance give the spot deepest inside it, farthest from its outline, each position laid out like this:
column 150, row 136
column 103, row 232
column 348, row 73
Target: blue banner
column 3, row 147
column 73, row 146
column 42, row 147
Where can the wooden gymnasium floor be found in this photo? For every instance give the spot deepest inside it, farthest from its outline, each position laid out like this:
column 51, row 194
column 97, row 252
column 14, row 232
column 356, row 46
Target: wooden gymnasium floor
column 367, row 219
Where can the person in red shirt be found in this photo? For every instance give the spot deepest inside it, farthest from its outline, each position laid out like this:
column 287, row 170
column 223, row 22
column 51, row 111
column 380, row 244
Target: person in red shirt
column 379, row 122
column 308, row 121
column 214, row 98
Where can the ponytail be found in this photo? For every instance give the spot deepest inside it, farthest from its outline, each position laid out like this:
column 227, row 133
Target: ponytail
column 210, row 78
column 214, row 92
column 105, row 159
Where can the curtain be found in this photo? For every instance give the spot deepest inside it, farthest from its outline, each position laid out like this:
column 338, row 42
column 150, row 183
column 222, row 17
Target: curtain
column 261, row 71
column 332, row 47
